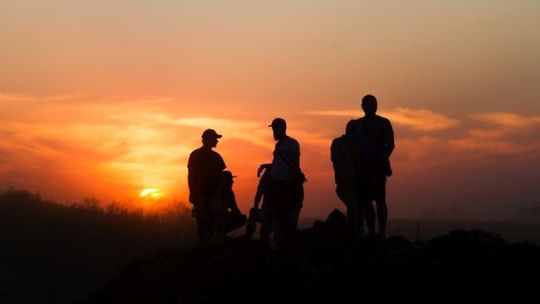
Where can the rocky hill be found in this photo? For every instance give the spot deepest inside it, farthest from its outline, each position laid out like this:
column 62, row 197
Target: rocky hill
column 324, row 262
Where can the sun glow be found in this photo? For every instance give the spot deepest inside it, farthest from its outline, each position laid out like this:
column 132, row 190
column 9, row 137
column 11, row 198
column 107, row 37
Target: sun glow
column 151, row 193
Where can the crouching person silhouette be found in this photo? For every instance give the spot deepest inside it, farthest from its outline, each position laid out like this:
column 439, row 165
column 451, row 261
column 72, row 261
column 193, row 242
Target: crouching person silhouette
column 232, row 216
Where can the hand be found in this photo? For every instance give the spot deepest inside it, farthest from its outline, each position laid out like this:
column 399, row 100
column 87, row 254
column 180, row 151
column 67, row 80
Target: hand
column 261, row 169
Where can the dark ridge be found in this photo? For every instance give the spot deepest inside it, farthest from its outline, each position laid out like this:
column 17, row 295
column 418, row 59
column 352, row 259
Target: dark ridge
column 324, row 262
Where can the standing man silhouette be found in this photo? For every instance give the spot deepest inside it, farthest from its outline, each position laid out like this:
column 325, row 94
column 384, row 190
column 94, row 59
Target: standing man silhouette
column 205, row 175
column 374, row 145
column 286, row 181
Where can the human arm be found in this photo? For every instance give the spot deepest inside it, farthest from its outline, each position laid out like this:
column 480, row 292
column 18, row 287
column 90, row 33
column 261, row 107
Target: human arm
column 257, row 199
column 262, row 168
column 192, row 181
column 388, row 139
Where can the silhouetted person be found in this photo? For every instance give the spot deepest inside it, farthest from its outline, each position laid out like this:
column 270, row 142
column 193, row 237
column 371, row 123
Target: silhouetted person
column 260, row 214
column 374, row 145
column 342, row 153
column 286, row 181
column 205, row 169
column 233, row 217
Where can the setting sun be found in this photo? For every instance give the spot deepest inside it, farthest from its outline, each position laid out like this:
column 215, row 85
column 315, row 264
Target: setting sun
column 153, row 193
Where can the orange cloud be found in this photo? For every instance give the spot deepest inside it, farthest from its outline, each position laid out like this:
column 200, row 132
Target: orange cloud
column 417, row 119
column 421, row 119
column 20, row 97
column 338, row 113
column 501, row 146
column 506, row 133
column 254, row 132
column 509, row 120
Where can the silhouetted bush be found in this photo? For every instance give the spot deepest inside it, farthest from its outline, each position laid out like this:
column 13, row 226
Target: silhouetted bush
column 57, row 253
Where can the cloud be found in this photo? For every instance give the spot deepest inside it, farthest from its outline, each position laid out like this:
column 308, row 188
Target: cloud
column 498, row 146
column 252, row 131
column 255, row 132
column 22, row 97
column 420, row 120
column 312, row 138
column 209, row 122
column 509, row 120
column 338, row 113
column 505, row 133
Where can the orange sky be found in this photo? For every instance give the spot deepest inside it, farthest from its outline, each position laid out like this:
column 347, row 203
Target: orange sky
column 105, row 99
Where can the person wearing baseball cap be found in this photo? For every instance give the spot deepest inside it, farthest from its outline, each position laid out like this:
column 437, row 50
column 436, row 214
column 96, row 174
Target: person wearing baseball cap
column 286, row 181
column 205, row 171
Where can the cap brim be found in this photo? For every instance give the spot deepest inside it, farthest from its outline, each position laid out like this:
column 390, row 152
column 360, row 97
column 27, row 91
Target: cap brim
column 219, row 136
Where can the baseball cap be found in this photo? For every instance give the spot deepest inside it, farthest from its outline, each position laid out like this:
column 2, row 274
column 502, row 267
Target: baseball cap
column 211, row 133
column 228, row 174
column 278, row 122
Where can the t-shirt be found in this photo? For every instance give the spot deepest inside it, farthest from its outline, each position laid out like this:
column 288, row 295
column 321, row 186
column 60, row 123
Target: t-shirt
column 286, row 159
column 205, row 167
column 373, row 137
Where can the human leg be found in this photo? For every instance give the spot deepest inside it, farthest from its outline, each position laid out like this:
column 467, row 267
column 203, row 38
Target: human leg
column 380, row 200
column 350, row 199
